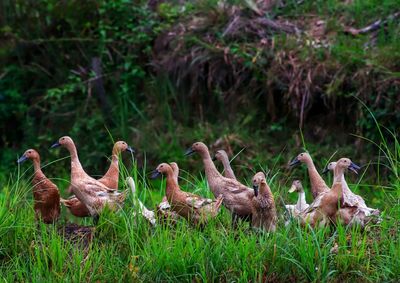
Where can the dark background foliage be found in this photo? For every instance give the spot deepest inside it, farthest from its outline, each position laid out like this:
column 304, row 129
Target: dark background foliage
column 160, row 75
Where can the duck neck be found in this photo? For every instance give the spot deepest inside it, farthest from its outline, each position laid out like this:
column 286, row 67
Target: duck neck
column 228, row 168
column 338, row 176
column 172, row 185
column 338, row 179
column 302, row 199
column 315, row 178
column 76, row 167
column 209, row 167
column 114, row 166
column 265, row 190
column 36, row 166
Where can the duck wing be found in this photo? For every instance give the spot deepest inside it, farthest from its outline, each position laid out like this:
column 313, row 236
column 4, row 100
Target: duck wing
column 236, row 187
column 196, row 201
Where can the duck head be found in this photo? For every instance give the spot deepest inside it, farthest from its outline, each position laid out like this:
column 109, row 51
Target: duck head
column 346, row 163
column 64, row 141
column 161, row 169
column 221, row 155
column 198, row 147
column 121, row 146
column 29, row 154
column 296, row 187
column 303, row 157
column 257, row 180
column 330, row 167
column 174, row 166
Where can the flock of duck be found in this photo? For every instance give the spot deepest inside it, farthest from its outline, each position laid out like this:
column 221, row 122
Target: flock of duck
column 256, row 205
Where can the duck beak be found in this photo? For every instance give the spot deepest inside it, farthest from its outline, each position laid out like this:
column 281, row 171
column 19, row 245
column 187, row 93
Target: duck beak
column 255, row 188
column 292, row 189
column 189, row 151
column 22, row 159
column 129, row 149
column 155, row 174
column 57, row 144
column 326, row 170
column 354, row 167
column 294, row 162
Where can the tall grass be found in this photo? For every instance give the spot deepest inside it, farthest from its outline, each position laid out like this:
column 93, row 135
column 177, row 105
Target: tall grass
column 127, row 248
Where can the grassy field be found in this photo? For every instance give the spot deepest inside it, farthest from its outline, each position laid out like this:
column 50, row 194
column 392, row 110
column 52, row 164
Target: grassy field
column 126, row 248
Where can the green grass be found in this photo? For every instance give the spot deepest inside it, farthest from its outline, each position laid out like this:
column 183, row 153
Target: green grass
column 126, row 248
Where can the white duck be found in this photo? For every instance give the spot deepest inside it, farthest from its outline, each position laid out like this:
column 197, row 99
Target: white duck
column 301, row 205
column 148, row 214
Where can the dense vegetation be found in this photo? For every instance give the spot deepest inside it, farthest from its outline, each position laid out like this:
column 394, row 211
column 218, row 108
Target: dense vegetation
column 262, row 82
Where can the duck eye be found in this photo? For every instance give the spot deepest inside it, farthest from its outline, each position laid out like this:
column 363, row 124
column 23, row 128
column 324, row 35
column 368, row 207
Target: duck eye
column 301, row 154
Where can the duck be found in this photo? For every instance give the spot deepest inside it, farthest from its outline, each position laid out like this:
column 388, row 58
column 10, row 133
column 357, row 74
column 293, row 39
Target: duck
column 196, row 209
column 164, row 208
column 222, row 156
column 355, row 210
column 264, row 215
column 236, row 196
column 296, row 209
column 45, row 193
column 110, row 178
column 94, row 194
column 318, row 185
column 323, row 210
column 148, row 214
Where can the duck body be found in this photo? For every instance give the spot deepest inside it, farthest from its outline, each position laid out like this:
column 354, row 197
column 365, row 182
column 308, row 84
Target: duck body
column 263, row 205
column 195, row 209
column 45, row 193
column 236, row 196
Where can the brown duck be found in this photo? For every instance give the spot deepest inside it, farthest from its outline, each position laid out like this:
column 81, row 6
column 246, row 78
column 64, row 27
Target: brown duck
column 355, row 210
column 222, row 156
column 45, row 193
column 318, row 185
column 195, row 209
column 236, row 196
column 263, row 205
column 88, row 190
column 164, row 208
column 325, row 207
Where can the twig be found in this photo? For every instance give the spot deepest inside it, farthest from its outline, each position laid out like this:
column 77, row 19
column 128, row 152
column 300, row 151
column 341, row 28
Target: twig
column 372, row 27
